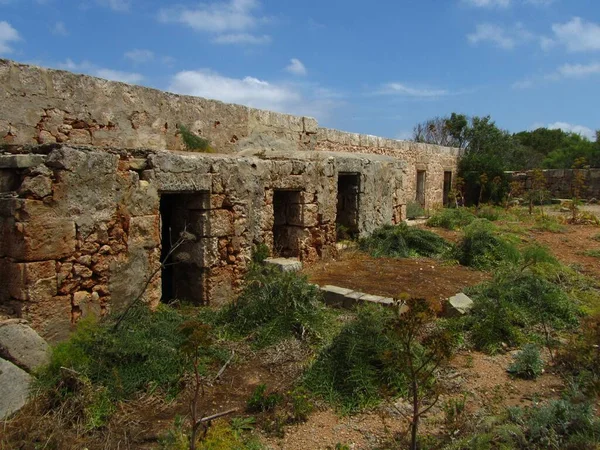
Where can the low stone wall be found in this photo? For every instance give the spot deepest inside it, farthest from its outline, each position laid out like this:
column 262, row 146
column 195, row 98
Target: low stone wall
column 560, row 182
column 47, row 106
column 81, row 232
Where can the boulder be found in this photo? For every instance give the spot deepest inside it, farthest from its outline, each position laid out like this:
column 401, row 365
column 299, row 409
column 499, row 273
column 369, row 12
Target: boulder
column 21, row 345
column 14, row 388
column 458, row 305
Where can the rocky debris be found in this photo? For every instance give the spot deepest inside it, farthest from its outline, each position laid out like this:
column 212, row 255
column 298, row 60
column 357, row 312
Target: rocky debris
column 22, row 346
column 14, row 388
column 285, row 264
column 458, row 305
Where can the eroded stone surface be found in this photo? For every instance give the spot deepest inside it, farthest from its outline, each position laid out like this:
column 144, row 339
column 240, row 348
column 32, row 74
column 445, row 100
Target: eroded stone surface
column 22, row 346
column 14, row 388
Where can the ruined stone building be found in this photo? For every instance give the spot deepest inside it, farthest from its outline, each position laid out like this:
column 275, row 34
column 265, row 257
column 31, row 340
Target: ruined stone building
column 96, row 186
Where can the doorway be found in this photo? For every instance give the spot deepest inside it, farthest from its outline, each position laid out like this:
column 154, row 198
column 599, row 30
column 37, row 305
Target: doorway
column 287, row 223
column 421, row 179
column 347, row 206
column 447, row 187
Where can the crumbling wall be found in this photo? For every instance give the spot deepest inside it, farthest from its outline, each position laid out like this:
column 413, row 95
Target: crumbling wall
column 47, row 106
column 560, row 182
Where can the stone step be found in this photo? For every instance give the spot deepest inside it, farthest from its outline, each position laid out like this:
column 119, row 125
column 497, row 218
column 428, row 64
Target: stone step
column 339, row 297
column 285, row 264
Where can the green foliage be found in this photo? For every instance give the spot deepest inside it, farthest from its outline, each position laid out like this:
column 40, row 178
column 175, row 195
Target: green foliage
column 594, row 253
column 414, row 210
column 260, row 401
column 596, row 237
column 528, row 363
column 489, row 213
column 514, row 307
column 451, row 218
column 402, row 241
column 260, row 252
column 194, row 142
column 558, row 424
column 357, row 369
column 302, row 404
column 481, row 247
column 273, row 306
column 548, row 223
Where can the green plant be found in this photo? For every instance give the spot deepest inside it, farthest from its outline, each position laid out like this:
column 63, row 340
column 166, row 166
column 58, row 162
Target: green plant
column 414, row 210
column 488, row 212
column 275, row 305
column 402, row 241
column 260, row 401
column 548, row 223
column 594, row 253
column 528, row 363
column 302, row 404
column 194, row 142
column 596, row 237
column 260, row 252
column 357, row 367
column 482, row 248
column 454, row 414
column 451, row 218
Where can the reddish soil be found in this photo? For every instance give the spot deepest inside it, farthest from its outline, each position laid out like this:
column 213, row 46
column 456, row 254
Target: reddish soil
column 422, row 277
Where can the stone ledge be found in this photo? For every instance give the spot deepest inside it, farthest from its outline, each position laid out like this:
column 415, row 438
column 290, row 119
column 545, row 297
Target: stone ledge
column 21, row 161
column 284, row 264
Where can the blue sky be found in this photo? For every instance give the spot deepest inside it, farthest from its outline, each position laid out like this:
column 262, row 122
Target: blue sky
column 374, row 67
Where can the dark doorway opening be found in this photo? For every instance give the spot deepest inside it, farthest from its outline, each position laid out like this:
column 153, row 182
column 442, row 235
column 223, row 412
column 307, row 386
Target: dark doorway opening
column 447, row 187
column 184, row 225
column 420, row 198
column 347, row 206
column 287, row 224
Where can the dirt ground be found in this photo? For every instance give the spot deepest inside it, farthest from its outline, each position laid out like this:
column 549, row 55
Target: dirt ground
column 423, row 277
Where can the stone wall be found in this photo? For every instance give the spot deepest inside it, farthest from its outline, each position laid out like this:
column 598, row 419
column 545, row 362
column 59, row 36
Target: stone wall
column 81, row 231
column 560, row 182
column 46, row 106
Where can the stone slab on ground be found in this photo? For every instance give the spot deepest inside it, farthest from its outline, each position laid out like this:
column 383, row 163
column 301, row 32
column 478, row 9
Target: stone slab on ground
column 22, row 346
column 335, row 296
column 14, row 388
column 285, row 264
column 458, row 305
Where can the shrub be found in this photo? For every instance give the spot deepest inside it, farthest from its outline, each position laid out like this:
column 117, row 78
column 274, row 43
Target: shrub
column 451, row 218
column 355, row 369
column 482, row 248
column 594, row 253
column 260, row 401
column 260, row 252
column 414, row 210
column 488, row 212
column 528, row 363
column 273, row 306
column 509, row 308
column 402, row 241
column 548, row 223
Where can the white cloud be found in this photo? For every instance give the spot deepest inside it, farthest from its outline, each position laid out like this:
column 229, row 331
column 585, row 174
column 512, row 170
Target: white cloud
column 139, row 56
column 577, row 35
column 579, row 70
column 301, row 99
column 578, row 129
column 504, row 38
column 109, row 74
column 116, row 5
column 408, row 91
column 296, row 67
column 229, row 21
column 241, row 38
column 60, row 29
column 488, row 3
column 8, row 35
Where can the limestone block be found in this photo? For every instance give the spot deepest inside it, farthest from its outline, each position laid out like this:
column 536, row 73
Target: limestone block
column 21, row 161
column 458, row 305
column 178, row 182
column 285, row 264
column 14, row 388
column 220, row 223
column 50, row 318
column 144, row 231
column 44, row 239
column 39, row 186
column 377, row 299
column 34, row 281
column 334, row 295
column 22, row 346
column 142, row 199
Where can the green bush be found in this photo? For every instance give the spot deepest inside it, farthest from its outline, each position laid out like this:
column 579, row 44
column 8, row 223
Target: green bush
column 356, row 369
column 260, row 401
column 273, row 306
column 513, row 306
column 451, row 218
column 481, row 247
column 488, row 212
column 414, row 210
column 402, row 241
column 548, row 223
column 528, row 363
column 260, row 252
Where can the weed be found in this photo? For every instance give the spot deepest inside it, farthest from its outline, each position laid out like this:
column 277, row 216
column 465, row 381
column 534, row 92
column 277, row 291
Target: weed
column 594, row 253
column 260, row 401
column 596, row 237
column 402, row 241
column 454, row 414
column 260, row 252
column 302, row 405
column 482, row 248
column 194, row 142
column 414, row 210
column 548, row 223
column 451, row 218
column 273, row 306
column 528, row 363
column 489, row 213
